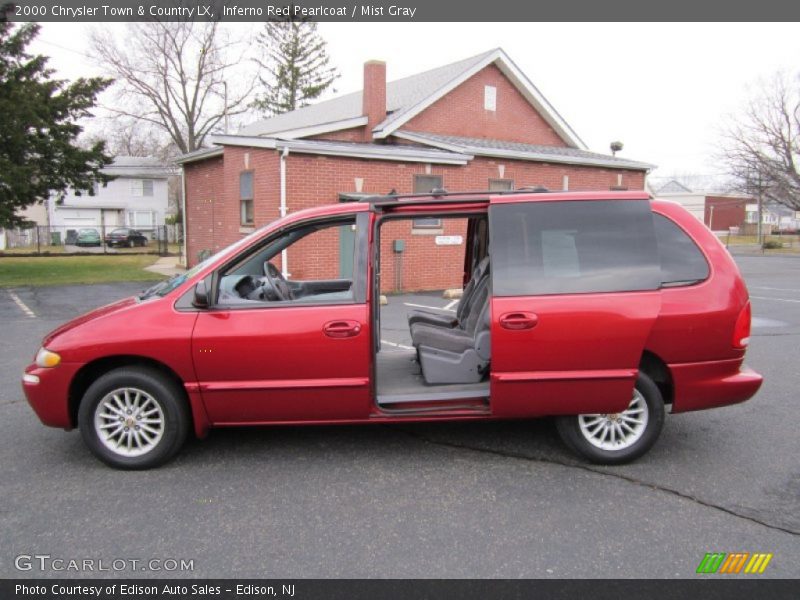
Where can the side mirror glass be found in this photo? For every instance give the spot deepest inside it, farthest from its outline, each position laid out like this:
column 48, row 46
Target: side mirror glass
column 200, row 299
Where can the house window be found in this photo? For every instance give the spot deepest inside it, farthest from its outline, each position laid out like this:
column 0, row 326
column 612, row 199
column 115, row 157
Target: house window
column 141, row 188
column 422, row 185
column 490, row 98
column 246, row 197
column 501, row 185
column 141, row 218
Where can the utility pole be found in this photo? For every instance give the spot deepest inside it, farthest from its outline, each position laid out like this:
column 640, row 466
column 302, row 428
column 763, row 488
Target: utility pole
column 759, row 209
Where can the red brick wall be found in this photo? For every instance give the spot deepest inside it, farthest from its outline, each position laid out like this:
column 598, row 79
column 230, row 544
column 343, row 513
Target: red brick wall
column 728, row 212
column 461, row 112
column 204, row 195
column 354, row 134
column 317, row 180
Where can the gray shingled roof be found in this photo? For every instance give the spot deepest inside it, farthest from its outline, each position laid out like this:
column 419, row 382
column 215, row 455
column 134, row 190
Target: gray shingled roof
column 673, row 187
column 502, row 148
column 138, row 166
column 400, row 95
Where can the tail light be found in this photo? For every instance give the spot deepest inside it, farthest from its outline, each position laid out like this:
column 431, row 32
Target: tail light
column 741, row 332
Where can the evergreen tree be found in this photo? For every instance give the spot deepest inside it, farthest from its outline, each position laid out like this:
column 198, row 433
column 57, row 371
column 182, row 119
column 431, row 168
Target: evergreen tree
column 38, row 128
column 295, row 66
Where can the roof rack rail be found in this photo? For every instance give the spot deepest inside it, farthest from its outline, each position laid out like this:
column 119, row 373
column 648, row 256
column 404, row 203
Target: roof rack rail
column 536, row 189
column 441, row 196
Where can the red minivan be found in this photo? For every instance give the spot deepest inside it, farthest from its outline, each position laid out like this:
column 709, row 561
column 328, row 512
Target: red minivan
column 598, row 308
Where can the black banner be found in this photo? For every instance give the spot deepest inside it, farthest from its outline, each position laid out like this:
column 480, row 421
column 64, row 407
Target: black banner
column 399, row 10
column 731, row 588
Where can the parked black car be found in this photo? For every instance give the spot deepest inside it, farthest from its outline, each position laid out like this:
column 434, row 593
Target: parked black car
column 125, row 237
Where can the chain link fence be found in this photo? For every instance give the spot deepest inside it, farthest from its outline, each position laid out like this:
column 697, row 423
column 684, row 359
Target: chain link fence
column 163, row 240
column 770, row 240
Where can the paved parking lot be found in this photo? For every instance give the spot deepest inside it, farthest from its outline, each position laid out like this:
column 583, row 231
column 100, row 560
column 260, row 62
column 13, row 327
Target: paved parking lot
column 439, row 500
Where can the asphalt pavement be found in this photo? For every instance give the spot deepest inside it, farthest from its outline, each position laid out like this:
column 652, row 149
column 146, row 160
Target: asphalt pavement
column 502, row 499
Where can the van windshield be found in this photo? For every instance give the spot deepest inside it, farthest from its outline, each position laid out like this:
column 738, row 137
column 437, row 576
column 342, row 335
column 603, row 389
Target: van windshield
column 162, row 288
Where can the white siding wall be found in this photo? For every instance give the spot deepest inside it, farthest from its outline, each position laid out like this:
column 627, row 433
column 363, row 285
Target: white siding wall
column 694, row 203
column 118, row 201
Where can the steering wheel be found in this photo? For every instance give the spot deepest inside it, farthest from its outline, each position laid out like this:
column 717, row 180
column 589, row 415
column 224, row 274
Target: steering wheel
column 277, row 282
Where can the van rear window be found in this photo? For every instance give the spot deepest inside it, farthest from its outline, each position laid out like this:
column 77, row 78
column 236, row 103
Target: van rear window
column 682, row 263
column 573, row 247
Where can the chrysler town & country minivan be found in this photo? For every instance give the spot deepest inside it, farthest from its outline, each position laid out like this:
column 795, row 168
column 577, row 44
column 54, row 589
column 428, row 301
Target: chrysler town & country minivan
column 601, row 309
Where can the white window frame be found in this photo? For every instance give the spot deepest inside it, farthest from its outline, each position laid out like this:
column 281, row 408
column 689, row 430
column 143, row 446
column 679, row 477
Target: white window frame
column 142, row 188
column 490, row 98
column 133, row 219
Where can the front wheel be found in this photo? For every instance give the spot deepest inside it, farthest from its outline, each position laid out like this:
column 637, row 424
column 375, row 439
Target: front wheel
column 133, row 418
column 617, row 438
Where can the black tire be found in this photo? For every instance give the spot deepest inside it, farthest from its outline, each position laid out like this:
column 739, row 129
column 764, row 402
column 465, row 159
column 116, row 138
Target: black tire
column 175, row 420
column 571, row 433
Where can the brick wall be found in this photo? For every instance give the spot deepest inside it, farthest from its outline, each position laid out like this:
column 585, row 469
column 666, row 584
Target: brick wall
column 354, row 134
column 204, row 195
column 461, row 112
column 317, row 180
column 727, row 213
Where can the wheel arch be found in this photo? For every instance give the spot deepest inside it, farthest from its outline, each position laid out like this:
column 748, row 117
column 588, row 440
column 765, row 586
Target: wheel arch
column 656, row 369
column 92, row 370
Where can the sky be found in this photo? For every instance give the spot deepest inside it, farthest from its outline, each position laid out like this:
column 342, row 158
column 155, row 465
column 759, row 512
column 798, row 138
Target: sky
column 666, row 90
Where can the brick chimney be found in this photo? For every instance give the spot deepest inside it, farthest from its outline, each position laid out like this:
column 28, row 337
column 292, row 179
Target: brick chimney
column 374, row 96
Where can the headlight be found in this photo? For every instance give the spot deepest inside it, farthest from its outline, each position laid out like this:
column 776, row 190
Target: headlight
column 45, row 358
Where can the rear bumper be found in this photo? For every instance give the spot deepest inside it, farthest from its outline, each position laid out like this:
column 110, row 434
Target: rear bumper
column 704, row 385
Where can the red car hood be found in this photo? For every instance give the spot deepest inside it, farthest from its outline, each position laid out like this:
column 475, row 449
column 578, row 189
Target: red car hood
column 103, row 311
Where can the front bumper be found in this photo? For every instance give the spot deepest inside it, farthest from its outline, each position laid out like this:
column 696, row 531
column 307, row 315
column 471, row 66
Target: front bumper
column 49, row 397
column 698, row 386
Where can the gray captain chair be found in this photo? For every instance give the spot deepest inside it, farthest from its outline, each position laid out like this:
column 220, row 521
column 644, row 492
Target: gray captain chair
column 460, row 354
column 464, row 305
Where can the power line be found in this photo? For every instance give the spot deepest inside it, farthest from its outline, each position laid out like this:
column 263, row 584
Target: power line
column 60, row 47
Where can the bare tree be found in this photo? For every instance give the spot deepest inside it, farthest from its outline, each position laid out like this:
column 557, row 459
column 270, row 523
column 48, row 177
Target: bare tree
column 174, row 75
column 125, row 136
column 762, row 145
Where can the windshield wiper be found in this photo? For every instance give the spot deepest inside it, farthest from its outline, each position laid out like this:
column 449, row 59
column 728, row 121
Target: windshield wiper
column 154, row 289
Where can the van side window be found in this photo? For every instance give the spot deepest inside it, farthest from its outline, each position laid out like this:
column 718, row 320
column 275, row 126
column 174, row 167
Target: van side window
column 682, row 263
column 573, row 247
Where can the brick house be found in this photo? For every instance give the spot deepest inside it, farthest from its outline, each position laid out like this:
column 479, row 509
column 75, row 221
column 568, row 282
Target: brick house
column 719, row 210
column 476, row 124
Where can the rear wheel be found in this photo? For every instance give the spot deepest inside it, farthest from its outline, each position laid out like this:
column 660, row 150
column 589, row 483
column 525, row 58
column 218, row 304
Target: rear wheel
column 617, row 438
column 133, row 418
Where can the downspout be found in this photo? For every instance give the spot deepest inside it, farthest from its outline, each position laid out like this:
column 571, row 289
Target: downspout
column 284, row 253
column 184, row 246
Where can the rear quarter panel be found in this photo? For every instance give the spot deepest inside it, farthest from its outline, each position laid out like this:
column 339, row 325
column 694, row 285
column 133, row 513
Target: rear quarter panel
column 696, row 322
column 694, row 331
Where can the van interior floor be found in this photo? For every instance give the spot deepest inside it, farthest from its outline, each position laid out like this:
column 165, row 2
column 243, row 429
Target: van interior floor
column 399, row 382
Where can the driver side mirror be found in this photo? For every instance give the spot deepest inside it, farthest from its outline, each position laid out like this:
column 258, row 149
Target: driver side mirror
column 200, row 299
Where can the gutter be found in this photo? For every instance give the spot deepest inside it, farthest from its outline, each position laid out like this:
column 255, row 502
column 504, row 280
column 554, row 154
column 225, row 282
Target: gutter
column 284, row 253
column 352, row 150
column 185, row 245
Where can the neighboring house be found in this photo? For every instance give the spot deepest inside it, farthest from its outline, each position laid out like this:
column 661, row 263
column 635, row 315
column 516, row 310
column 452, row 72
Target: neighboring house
column 720, row 211
column 476, row 124
column 136, row 198
column 775, row 216
column 24, row 237
column 788, row 219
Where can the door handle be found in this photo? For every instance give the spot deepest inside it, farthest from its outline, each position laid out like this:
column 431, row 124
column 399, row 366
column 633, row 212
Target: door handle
column 519, row 320
column 341, row 329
